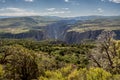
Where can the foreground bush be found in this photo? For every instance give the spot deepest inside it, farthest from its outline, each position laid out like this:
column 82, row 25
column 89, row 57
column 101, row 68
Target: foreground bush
column 72, row 73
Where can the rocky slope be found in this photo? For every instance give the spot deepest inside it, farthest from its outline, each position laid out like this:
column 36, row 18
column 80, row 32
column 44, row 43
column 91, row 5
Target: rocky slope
column 67, row 30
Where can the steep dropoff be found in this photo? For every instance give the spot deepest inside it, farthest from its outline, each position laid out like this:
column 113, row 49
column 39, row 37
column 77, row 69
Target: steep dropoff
column 57, row 30
column 77, row 37
column 32, row 34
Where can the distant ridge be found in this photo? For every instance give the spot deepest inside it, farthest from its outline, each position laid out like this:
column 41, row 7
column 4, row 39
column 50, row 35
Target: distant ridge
column 65, row 18
column 1, row 17
column 70, row 30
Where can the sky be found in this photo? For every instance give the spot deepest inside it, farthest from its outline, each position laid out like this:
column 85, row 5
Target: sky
column 62, row 8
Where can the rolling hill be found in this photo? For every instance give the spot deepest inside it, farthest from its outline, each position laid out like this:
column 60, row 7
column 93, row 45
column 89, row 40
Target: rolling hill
column 70, row 30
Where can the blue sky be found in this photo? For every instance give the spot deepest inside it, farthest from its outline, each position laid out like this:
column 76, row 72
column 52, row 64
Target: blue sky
column 62, row 8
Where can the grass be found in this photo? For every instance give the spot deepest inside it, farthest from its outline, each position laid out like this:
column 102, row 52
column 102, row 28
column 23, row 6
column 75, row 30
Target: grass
column 92, row 25
column 84, row 29
column 13, row 30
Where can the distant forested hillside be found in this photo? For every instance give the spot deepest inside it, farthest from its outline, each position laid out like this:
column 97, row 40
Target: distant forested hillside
column 70, row 30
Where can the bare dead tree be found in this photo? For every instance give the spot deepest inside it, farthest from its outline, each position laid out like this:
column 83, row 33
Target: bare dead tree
column 106, row 50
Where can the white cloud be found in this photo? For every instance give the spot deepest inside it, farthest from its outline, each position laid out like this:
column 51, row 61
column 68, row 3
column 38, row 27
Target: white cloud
column 19, row 14
column 11, row 11
column 65, row 8
column 100, row 10
column 72, row 2
column 66, row 0
column 14, row 9
column 29, row 0
column 51, row 9
column 58, row 12
column 3, row 1
column 115, row 1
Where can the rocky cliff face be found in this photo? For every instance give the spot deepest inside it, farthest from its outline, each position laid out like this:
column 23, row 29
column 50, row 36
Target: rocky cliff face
column 58, row 31
column 33, row 34
column 77, row 37
column 117, row 32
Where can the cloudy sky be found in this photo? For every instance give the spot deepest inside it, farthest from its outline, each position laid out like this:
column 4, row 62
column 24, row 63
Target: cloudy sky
column 63, row 8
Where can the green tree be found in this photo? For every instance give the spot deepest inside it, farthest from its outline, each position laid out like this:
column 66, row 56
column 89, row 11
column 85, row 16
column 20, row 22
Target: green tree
column 20, row 64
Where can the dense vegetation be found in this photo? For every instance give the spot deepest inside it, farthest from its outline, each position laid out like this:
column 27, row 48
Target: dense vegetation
column 56, row 60
column 48, row 58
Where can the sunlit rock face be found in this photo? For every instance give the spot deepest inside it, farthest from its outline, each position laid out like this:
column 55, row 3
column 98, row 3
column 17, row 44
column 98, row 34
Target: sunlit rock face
column 56, row 30
column 52, row 28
